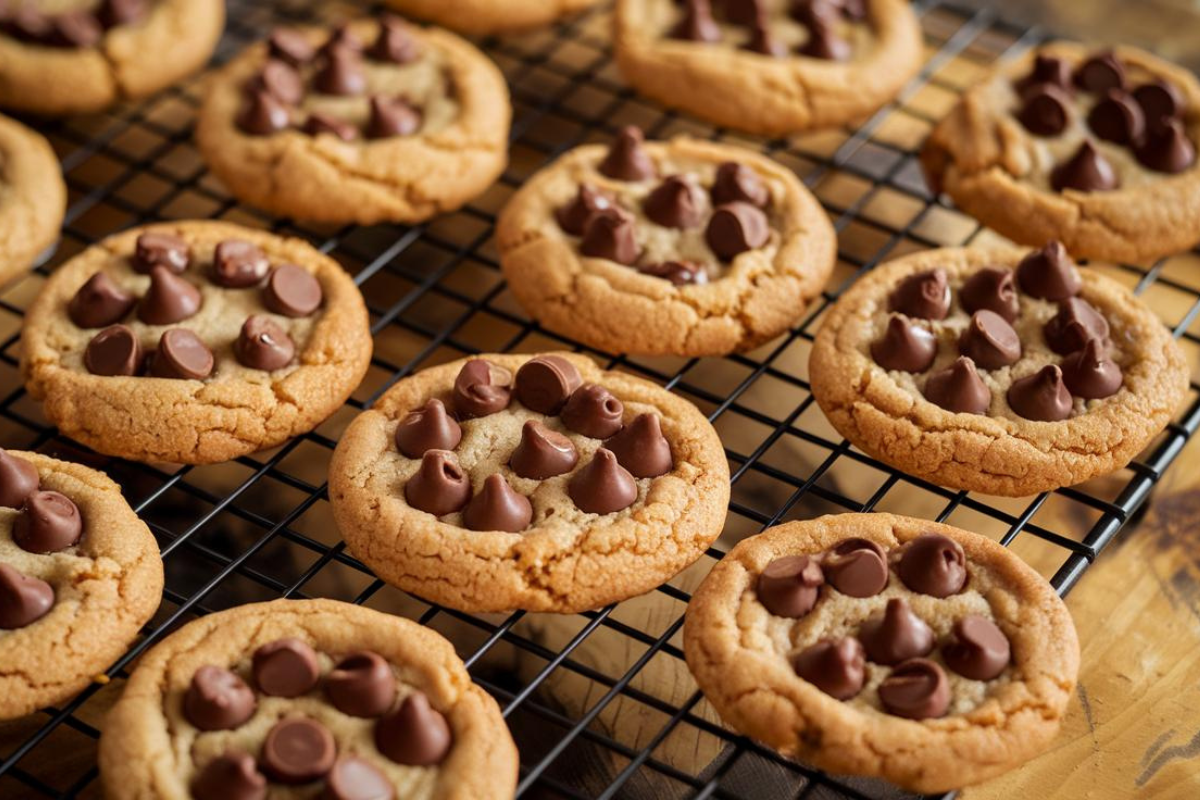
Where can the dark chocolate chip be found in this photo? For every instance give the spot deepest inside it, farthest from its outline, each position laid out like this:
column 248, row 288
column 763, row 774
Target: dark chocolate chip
column 641, row 448
column 1042, row 396
column 362, row 685
column 763, row 42
column 169, row 299
column 933, row 564
column 392, row 116
column 574, row 216
column 1159, row 100
column 280, row 80
column 428, row 428
column 925, row 295
column 1047, row 70
column 263, row 114
column 218, row 700
column 481, row 388
column 353, row 778
column 1117, row 118
column 230, row 776
column 298, row 750
column 545, row 383
column 991, row 290
column 112, row 13
column 744, row 12
column 825, row 43
column 318, row 123
column 603, row 486
column 959, row 389
column 593, row 411
column 292, row 291
column 439, row 486
column 114, row 351
column 1167, row 149
column 1076, row 322
column 1044, row 110
column 916, row 689
column 627, row 159
column 837, row 668
column 31, row 25
column 158, row 249
column 1100, row 73
column 735, row 228
column 856, row 567
column 979, row 650
column 238, row 264
column 342, row 73
column 1086, row 171
column 286, row 668
column 263, row 344
column 675, row 203
column 990, row 341
column 18, row 480
column 23, row 598
column 1049, row 273
column 498, row 508
column 789, row 586
column 737, row 183
column 895, row 634
column 416, row 734
column 78, row 28
column 542, row 453
column 679, row 273
column 99, row 302
column 395, row 42
column 813, row 12
column 610, row 234
column 182, row 355
column 904, row 346
column 290, row 46
column 1090, row 373
column 343, row 38
column 47, row 523
column 697, row 23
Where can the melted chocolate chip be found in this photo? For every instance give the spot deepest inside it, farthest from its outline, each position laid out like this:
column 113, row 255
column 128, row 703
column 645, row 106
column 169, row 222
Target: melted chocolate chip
column 1167, row 149
column 1159, row 101
column 789, row 586
column 925, row 295
column 292, row 291
column 416, row 734
column 959, row 389
column 218, row 700
column 238, row 264
column 837, row 668
column 610, row 234
column 574, row 216
column 979, row 649
column 679, row 273
column 905, row 347
column 1086, row 171
column 361, row 685
column 990, row 341
column 933, row 564
column 675, row 203
column 1090, row 373
column 542, row 453
column 263, row 344
column 428, row 428
column 593, row 411
column 99, row 302
column 290, row 46
column 627, row 159
column 353, row 778
column 1042, row 396
column 1044, row 110
column 182, row 355
column 114, row 351
column 230, row 776
column 916, row 689
column 1076, row 322
column 23, row 598
column 263, row 114
column 1049, row 273
column 169, row 299
column 18, row 480
column 991, row 290
column 895, row 634
column 280, row 80
column 735, row 228
column 395, row 43
column 286, row 668
column 603, row 486
column 439, row 486
column 157, row 249
column 641, row 448
column 318, row 123
column 298, row 750
column 545, row 383
column 48, row 523
column 856, row 567
column 498, row 508
column 737, row 183
column 697, row 23
column 1100, row 73
column 342, row 74
column 392, row 116
column 481, row 388
column 1117, row 118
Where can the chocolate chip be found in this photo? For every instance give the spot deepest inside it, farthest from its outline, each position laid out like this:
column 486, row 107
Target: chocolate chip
column 916, row 689
column 905, row 347
column 31, row 25
column 342, row 38
column 218, row 700
column 1047, row 70
column 979, row 650
column 603, row 486
column 292, row 291
column 342, row 73
column 481, row 388
column 925, row 295
column 23, row 599
column 610, row 234
column 182, row 355
column 763, row 42
column 290, row 46
column 362, row 685
column 1049, row 273
column 298, row 750
column 837, row 668
column 1044, row 110
column 353, row 778
column 627, row 159
column 737, row 183
column 395, row 43
column 933, row 564
column 593, row 411
column 697, row 24
column 1100, row 73
column 230, row 776
column 788, row 586
column 991, row 290
column 114, row 351
column 542, row 453
column 1168, row 149
column 416, row 734
column 825, row 43
column 286, row 668
column 318, row 123
column 99, row 302
column 47, row 523
column 675, row 203
column 856, row 567
column 1117, row 118
column 545, row 383
column 1090, row 373
column 679, row 273
column 263, row 114
column 574, row 216
column 735, row 228
column 169, row 299
column 439, row 486
column 280, row 80
column 641, row 448
column 112, row 13
column 1086, row 171
column 238, row 264
column 498, row 508
column 1042, row 396
column 811, row 12
column 158, row 249
column 1159, row 101
column 392, row 116
column 78, row 28
column 1076, row 322
column 744, row 12
column 895, row 634
column 263, row 344
column 428, row 428
column 990, row 341
column 959, row 389
column 18, row 480
column 853, row 9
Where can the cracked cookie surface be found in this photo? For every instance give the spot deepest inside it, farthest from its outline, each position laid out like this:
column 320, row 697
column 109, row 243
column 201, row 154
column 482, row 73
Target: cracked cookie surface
column 725, row 83
column 457, row 152
column 742, row 656
column 997, row 451
column 33, row 197
column 480, row 17
column 105, row 587
column 237, row 409
column 744, row 302
column 563, row 559
column 152, row 748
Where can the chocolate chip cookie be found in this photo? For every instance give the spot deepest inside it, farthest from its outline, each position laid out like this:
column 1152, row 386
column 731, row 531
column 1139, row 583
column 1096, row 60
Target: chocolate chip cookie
column 528, row 482
column 1095, row 148
column 479, row 17
column 305, row 698
column 681, row 247
column 370, row 122
column 33, row 198
column 194, row 342
column 79, row 576
column 769, row 67
column 886, row 646
column 81, row 56
column 999, row 371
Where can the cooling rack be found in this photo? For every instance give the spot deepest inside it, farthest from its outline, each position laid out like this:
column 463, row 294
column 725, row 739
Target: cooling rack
column 601, row 703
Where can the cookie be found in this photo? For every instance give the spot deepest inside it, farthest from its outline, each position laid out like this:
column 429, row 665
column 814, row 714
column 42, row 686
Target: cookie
column 80, row 575
column 480, row 17
column 82, row 56
column 194, row 342
column 680, row 247
column 371, row 122
column 305, row 698
column 1094, row 148
column 885, row 646
column 769, row 67
column 33, row 198
column 998, row 371
column 528, row 482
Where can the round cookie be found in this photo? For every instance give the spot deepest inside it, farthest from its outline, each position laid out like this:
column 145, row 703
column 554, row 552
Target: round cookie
column 454, row 488
column 79, row 576
column 481, row 17
column 681, row 247
column 294, row 697
column 372, row 122
column 235, row 341
column 33, row 198
column 769, row 67
column 999, row 371
column 61, row 57
column 1096, row 149
column 885, row 646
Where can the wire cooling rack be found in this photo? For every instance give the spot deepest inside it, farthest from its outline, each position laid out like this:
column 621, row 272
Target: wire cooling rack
column 601, row 703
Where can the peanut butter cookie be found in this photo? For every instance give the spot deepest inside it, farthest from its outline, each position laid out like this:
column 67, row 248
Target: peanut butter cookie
column 479, row 17
column 33, row 198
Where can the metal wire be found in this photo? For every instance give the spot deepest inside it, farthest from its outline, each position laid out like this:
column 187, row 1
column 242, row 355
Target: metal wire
column 259, row 527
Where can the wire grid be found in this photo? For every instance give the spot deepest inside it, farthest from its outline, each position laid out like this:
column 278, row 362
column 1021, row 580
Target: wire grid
column 600, row 703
